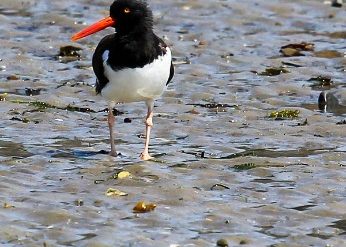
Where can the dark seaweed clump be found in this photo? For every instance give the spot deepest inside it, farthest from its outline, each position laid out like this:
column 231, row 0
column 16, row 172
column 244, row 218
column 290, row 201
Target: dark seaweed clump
column 69, row 51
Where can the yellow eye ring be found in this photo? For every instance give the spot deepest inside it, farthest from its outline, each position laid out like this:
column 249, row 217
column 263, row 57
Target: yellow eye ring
column 127, row 10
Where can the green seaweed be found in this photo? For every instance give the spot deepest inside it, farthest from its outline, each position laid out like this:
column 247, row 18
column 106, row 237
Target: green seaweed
column 284, row 114
column 214, row 105
column 245, row 166
column 77, row 108
column 40, row 105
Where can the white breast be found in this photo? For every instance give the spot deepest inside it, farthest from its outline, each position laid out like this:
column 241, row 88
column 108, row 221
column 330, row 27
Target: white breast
column 137, row 84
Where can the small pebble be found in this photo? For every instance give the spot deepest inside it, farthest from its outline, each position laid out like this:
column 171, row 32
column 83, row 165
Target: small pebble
column 12, row 78
column 222, row 242
column 127, row 120
column 243, row 241
column 79, row 202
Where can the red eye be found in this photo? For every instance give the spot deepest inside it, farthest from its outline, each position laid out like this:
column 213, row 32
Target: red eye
column 127, row 10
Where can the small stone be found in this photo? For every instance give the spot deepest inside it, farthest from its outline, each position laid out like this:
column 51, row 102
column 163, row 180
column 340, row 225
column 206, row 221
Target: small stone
column 115, row 192
column 193, row 111
column 291, row 52
column 122, row 174
column 222, row 242
column 341, row 122
column 78, row 202
column 127, row 120
column 243, row 241
column 7, row 205
column 227, row 56
column 12, row 78
column 97, row 203
column 3, row 96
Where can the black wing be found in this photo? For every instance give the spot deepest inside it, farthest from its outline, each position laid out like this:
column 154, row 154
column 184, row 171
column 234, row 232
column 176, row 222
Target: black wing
column 171, row 74
column 162, row 45
column 97, row 62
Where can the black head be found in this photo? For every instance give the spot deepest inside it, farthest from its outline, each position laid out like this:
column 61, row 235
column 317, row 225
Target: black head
column 131, row 16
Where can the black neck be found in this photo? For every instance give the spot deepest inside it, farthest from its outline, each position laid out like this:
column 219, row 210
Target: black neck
column 134, row 49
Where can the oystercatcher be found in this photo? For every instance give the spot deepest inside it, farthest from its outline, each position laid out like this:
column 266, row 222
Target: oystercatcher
column 131, row 65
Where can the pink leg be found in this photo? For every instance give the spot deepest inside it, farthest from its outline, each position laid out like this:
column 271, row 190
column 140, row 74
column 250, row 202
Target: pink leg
column 111, row 121
column 148, row 125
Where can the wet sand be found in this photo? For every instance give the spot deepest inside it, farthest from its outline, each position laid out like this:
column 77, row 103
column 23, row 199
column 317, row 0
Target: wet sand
column 223, row 169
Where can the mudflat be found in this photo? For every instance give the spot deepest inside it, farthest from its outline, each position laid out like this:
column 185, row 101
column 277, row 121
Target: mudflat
column 243, row 153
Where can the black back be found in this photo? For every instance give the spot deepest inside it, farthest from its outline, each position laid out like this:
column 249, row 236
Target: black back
column 127, row 52
column 133, row 46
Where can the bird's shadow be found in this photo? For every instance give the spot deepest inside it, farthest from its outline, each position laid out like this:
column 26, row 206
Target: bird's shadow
column 83, row 154
column 70, row 153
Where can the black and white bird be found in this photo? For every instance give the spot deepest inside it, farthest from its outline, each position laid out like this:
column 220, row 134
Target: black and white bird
column 131, row 65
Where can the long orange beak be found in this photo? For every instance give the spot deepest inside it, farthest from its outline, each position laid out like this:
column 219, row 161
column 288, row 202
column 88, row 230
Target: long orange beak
column 98, row 26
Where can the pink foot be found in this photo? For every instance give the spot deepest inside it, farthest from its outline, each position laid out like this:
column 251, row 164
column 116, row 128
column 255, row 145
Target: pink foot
column 145, row 156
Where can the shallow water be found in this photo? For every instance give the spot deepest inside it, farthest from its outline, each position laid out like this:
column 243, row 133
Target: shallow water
column 210, row 126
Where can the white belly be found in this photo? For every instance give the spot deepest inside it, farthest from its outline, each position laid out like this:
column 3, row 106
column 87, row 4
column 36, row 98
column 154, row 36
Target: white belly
column 137, row 84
